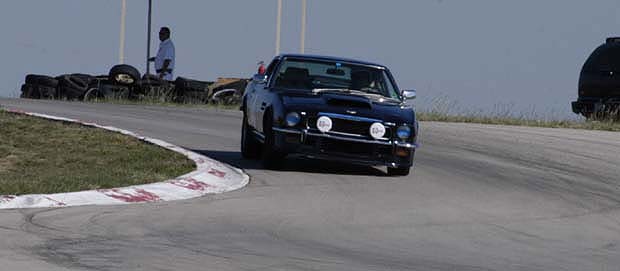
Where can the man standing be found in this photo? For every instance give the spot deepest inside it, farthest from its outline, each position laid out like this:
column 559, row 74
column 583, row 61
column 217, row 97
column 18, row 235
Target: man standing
column 164, row 61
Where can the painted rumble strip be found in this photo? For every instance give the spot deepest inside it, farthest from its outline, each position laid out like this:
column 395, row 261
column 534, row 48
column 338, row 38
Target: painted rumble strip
column 210, row 177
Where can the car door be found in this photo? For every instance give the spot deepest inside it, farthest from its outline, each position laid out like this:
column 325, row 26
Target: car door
column 250, row 94
column 262, row 94
column 254, row 107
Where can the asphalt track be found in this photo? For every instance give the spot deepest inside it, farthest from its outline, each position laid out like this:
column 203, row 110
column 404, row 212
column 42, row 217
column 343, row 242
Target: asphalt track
column 480, row 198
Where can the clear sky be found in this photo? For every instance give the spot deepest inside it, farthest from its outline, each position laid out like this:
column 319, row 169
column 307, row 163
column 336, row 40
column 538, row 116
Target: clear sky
column 478, row 54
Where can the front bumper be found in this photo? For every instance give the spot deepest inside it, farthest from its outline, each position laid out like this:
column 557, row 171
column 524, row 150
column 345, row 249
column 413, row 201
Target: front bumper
column 335, row 147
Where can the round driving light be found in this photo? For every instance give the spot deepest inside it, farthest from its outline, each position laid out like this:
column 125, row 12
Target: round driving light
column 292, row 119
column 403, row 132
column 377, row 130
column 324, row 124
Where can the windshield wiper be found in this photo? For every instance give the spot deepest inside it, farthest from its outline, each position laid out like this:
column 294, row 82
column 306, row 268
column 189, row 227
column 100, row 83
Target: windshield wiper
column 343, row 90
column 319, row 90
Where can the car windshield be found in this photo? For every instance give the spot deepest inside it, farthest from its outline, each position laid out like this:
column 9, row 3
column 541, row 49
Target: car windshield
column 314, row 74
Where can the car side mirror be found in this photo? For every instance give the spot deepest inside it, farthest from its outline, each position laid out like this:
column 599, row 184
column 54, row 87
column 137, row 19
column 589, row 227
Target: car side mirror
column 260, row 78
column 409, row 94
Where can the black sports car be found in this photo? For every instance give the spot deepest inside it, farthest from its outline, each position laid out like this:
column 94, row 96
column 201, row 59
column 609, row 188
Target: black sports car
column 328, row 108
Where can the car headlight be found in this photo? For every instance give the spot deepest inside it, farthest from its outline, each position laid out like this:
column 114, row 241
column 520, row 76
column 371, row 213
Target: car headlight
column 292, row 119
column 403, row 132
column 377, row 130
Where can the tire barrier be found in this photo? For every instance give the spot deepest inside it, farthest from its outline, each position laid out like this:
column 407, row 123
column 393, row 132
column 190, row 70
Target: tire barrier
column 124, row 82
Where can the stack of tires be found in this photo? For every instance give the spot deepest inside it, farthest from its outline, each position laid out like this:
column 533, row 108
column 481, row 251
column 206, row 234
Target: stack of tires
column 124, row 82
column 66, row 86
column 73, row 86
column 191, row 91
column 118, row 84
column 153, row 88
column 39, row 87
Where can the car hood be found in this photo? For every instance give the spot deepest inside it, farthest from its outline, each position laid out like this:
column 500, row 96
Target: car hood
column 367, row 106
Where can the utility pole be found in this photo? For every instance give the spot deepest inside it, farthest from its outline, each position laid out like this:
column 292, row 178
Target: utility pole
column 302, row 47
column 278, row 26
column 121, row 47
column 148, row 38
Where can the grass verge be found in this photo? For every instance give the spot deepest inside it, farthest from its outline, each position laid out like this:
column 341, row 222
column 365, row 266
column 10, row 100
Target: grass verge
column 444, row 109
column 42, row 156
column 604, row 125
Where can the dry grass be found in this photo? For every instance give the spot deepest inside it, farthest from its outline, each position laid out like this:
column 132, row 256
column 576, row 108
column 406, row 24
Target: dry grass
column 443, row 110
column 605, row 125
column 164, row 96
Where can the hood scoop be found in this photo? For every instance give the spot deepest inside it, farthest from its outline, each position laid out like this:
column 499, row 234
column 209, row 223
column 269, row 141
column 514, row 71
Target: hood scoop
column 347, row 101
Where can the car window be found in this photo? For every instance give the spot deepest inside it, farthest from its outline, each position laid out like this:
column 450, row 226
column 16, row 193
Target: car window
column 314, row 74
column 272, row 66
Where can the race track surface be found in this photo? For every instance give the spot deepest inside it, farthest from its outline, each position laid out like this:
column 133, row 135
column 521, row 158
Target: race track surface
column 480, row 198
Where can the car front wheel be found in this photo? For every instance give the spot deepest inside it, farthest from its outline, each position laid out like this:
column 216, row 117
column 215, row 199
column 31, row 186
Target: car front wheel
column 271, row 157
column 250, row 148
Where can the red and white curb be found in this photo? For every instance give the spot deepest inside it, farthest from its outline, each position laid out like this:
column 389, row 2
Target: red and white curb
column 210, row 177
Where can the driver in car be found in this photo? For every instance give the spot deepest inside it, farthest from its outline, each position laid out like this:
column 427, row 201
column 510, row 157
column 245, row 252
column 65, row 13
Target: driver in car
column 360, row 80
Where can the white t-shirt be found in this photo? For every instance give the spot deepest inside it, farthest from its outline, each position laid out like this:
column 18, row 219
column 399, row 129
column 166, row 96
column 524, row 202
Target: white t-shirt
column 166, row 51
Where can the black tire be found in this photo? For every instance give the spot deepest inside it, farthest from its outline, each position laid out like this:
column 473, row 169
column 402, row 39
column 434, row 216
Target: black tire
column 29, row 91
column 152, row 80
column 191, row 85
column 271, row 157
column 398, row 171
column 72, row 87
column 43, row 80
column 184, row 88
column 124, row 75
column 72, row 81
column 114, row 92
column 46, row 92
column 25, row 92
column 250, row 147
column 70, row 93
column 87, row 78
column 95, row 82
column 191, row 91
column 92, row 94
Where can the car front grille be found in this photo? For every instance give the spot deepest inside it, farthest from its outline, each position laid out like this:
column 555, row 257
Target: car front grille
column 327, row 145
